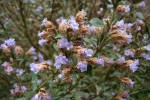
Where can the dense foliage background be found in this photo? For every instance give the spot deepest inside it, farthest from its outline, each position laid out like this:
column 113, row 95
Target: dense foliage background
column 105, row 55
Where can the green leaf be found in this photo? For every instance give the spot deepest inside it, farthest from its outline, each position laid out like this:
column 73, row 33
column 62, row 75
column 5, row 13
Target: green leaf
column 34, row 78
column 23, row 98
column 140, row 15
column 89, row 70
column 96, row 22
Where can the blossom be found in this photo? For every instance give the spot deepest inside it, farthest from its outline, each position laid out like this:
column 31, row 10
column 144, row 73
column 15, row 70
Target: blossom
column 42, row 42
column 129, row 53
column 63, row 43
column 8, row 69
column 23, row 88
column 20, row 71
column 44, row 21
column 100, row 61
column 40, row 33
column 147, row 47
column 10, row 43
column 121, row 60
column 131, row 83
column 83, row 12
column 34, row 67
column 82, row 65
column 134, row 66
column 121, row 23
column 127, row 9
column 73, row 24
column 87, row 52
column 142, row 4
column 146, row 56
column 60, row 60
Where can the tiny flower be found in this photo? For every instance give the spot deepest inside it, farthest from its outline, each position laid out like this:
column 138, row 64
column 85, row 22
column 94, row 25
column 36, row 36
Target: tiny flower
column 127, row 9
column 100, row 61
column 20, row 71
column 10, row 43
column 147, row 47
column 60, row 60
column 44, row 21
column 83, row 12
column 146, row 56
column 129, row 53
column 88, row 52
column 34, row 67
column 23, row 88
column 42, row 42
column 142, row 4
column 82, row 65
column 31, row 51
column 73, row 24
column 40, row 33
column 121, row 60
column 134, row 66
column 60, row 76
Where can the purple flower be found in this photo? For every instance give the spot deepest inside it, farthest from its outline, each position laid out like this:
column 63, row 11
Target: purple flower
column 82, row 66
column 10, row 43
column 60, row 60
column 3, row 46
column 121, row 23
column 40, row 33
column 127, row 9
column 42, row 42
column 129, row 53
column 44, row 21
column 134, row 66
column 146, row 56
column 87, row 52
column 147, row 47
column 40, row 57
column 83, row 12
column 63, row 43
column 32, row 49
column 23, row 88
column 121, row 60
column 142, row 4
column 131, row 83
column 129, row 39
column 100, row 61
column 73, row 24
column 8, row 69
column 34, row 67
column 20, row 71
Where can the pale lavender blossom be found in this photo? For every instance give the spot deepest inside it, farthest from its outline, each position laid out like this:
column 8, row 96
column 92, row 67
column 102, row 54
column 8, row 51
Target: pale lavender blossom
column 39, row 81
column 73, row 24
column 8, row 69
column 4, row 64
column 129, row 39
column 131, row 83
column 147, row 47
column 10, row 43
column 142, row 4
column 83, row 12
column 139, row 28
column 121, row 60
column 40, row 57
column 23, row 88
column 39, row 9
column 42, row 42
column 40, row 33
column 32, row 50
column 146, row 56
column 134, row 66
column 60, row 76
column 61, row 20
column 127, row 9
column 3, row 46
column 63, row 43
column 87, row 52
column 82, row 66
column 44, row 21
column 49, row 62
column 34, row 68
column 20, row 71
column 100, row 61
column 46, row 97
column 121, row 23
column 129, row 53
column 101, row 9
column 60, row 60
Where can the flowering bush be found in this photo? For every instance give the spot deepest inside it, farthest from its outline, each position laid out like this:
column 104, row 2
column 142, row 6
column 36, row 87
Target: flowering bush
column 87, row 56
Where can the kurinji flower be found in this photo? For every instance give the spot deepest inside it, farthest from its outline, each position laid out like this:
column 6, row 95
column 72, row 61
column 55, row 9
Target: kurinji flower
column 100, row 61
column 131, row 83
column 60, row 60
column 8, row 69
column 87, row 52
column 40, row 57
column 60, row 76
column 142, row 4
column 31, row 51
column 147, row 47
column 121, row 23
column 129, row 53
column 63, row 43
column 129, row 39
column 44, row 21
column 134, row 66
column 20, row 71
column 73, row 24
column 34, row 67
column 23, row 88
column 121, row 60
column 42, row 42
column 40, row 33
column 146, row 56
column 10, row 43
column 82, row 65
column 139, row 28
column 127, row 9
